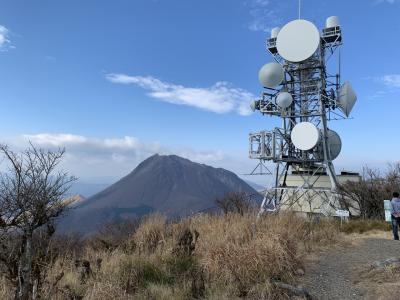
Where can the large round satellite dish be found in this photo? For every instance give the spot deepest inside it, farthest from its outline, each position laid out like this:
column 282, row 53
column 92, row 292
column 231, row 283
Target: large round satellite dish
column 305, row 136
column 297, row 40
column 284, row 99
column 335, row 144
column 271, row 75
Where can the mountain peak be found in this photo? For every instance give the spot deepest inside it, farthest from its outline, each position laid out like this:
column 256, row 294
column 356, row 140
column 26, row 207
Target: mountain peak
column 169, row 184
column 161, row 160
column 165, row 157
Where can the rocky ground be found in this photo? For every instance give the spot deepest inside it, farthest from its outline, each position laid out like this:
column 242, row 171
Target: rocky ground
column 365, row 266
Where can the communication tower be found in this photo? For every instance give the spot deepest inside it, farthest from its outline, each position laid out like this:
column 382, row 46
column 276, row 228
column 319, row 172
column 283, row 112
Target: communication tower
column 305, row 95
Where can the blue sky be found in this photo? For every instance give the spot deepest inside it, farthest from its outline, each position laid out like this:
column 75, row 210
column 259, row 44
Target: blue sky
column 117, row 81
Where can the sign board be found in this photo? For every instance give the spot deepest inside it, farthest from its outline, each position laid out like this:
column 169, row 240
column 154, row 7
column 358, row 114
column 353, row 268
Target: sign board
column 387, row 205
column 342, row 213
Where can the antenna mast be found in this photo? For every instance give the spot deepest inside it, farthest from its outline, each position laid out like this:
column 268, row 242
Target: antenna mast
column 299, row 9
column 299, row 90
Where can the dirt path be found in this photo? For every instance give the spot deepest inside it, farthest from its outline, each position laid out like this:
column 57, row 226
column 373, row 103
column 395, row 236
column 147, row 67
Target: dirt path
column 342, row 272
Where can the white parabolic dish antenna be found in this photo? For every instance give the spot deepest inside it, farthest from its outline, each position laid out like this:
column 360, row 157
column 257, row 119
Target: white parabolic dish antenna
column 284, row 99
column 346, row 98
column 297, row 40
column 271, row 75
column 305, row 136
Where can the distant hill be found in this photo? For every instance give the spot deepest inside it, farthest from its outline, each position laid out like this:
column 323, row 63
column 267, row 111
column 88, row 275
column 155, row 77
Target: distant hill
column 86, row 189
column 256, row 186
column 169, row 184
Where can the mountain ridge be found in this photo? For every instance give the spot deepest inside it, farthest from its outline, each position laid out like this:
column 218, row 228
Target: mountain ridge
column 169, row 184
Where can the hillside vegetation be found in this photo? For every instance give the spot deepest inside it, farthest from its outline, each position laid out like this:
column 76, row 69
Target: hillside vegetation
column 205, row 256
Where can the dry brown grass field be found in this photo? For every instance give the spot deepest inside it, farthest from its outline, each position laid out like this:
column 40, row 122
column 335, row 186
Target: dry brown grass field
column 203, row 256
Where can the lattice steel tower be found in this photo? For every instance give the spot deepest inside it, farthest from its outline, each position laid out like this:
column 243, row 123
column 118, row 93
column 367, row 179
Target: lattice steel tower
column 301, row 91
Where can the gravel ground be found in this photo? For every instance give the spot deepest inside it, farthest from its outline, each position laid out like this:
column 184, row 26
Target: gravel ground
column 335, row 273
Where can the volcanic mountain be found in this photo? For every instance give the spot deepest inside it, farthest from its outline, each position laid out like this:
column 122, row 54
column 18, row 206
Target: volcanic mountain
column 171, row 185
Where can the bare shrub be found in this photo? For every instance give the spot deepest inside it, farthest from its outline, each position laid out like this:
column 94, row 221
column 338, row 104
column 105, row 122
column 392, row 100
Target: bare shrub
column 32, row 191
column 113, row 235
column 234, row 202
column 366, row 196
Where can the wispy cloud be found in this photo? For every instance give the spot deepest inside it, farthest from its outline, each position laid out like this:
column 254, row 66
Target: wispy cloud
column 109, row 157
column 392, row 80
column 114, row 157
column 117, row 149
column 263, row 16
column 388, row 85
column 377, row 2
column 4, row 38
column 222, row 97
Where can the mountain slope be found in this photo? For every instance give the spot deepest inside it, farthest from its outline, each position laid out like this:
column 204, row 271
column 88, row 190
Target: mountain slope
column 170, row 184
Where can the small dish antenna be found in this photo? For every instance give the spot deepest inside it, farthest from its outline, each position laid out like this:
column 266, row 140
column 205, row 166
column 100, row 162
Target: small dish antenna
column 284, row 99
column 271, row 75
column 346, row 98
column 297, row 40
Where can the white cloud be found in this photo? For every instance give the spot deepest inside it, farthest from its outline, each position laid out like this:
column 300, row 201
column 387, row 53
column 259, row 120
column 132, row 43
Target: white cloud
column 4, row 37
column 263, row 16
column 109, row 159
column 385, row 1
column 262, row 20
column 222, row 97
column 89, row 157
column 392, row 80
column 388, row 85
column 261, row 2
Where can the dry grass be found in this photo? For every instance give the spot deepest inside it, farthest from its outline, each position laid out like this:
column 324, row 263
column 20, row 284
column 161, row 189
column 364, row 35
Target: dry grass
column 233, row 257
column 151, row 234
column 238, row 253
column 382, row 283
column 362, row 226
column 6, row 291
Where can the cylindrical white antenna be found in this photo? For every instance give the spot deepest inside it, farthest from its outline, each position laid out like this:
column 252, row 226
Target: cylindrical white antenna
column 332, row 21
column 274, row 32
